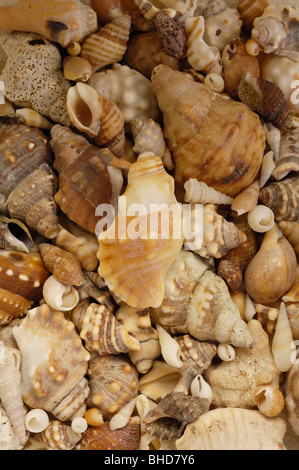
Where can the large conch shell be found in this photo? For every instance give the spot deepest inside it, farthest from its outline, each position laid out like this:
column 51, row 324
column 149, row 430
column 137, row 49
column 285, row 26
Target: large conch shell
column 33, row 75
column 233, row 429
column 277, row 31
column 97, row 116
column 204, row 130
column 53, row 363
column 272, row 271
column 134, row 263
column 61, row 21
column 10, row 389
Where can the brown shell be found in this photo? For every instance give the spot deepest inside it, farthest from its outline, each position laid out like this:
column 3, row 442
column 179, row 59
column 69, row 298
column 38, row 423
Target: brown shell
column 12, row 306
column 249, row 10
column 103, row 438
column 231, row 273
column 62, row 264
column 144, row 52
column 282, row 197
column 32, row 201
column 84, row 181
column 104, row 10
column 236, row 63
column 197, row 353
column 265, row 98
column 201, row 137
column 113, row 383
column 22, row 150
column 171, row 34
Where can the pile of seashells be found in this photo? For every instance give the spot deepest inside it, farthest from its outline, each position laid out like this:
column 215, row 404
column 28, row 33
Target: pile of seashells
column 147, row 343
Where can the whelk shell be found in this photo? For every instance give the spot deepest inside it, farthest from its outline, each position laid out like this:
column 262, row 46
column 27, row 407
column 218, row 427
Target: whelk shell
column 282, row 198
column 62, row 264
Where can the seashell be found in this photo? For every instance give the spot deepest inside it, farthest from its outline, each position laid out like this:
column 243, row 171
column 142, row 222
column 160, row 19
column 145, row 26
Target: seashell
column 7, row 109
column 79, row 425
column 82, row 244
column 269, row 400
column 222, row 24
column 62, row 264
column 144, row 52
column 249, row 10
column 53, row 364
column 276, row 31
column 291, row 231
column 249, row 369
column 154, row 255
column 12, row 306
column 76, row 69
column 107, row 10
column 33, row 119
column 94, row 417
column 63, row 22
column 59, row 296
column 226, row 352
column 161, row 380
column 282, row 343
column 201, row 388
column 130, row 90
column 267, row 168
column 198, row 192
column 22, row 155
column 282, row 197
column 242, row 254
column 97, row 116
column 74, row 48
column 247, row 200
column 178, row 98
column 6, row 335
column 32, row 201
column 233, row 429
column 171, row 35
column 178, row 406
column 138, row 324
column 219, row 235
column 288, row 156
column 231, row 273
column 81, row 167
column 250, row 310
column 108, row 45
column 148, row 137
column 102, row 333
column 59, row 436
column 170, row 349
column 103, row 438
column 10, row 390
column 215, row 82
column 267, row 316
column 195, row 354
column 273, row 136
column 271, row 272
column 8, row 438
column 291, row 396
column 15, row 235
column 113, row 382
column 265, row 98
column 200, row 55
column 261, row 219
column 121, row 419
column 33, row 75
column 36, row 420
column 271, row 70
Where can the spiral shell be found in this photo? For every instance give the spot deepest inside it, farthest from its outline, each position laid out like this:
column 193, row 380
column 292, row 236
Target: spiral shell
column 282, row 343
column 59, row 436
column 288, row 155
column 270, row 400
column 249, row 10
column 222, row 24
column 261, row 219
column 62, row 264
column 282, row 198
column 291, row 232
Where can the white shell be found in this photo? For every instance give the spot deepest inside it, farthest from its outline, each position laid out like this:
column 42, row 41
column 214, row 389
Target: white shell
column 79, row 425
column 273, row 137
column 200, row 388
column 36, row 420
column 8, row 439
column 121, row 419
column 267, row 168
column 59, row 296
column 169, row 347
column 282, row 344
column 261, row 219
column 226, row 352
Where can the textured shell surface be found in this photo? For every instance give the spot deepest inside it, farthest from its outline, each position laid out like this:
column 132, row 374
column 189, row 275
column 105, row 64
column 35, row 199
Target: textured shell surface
column 234, row 382
column 288, row 160
column 233, row 429
column 113, row 383
column 291, row 398
column 20, row 156
column 62, row 264
column 59, row 21
column 8, row 438
column 142, row 259
column 53, row 363
column 249, row 10
column 199, row 135
column 14, row 235
column 33, row 75
column 282, row 198
column 59, row 436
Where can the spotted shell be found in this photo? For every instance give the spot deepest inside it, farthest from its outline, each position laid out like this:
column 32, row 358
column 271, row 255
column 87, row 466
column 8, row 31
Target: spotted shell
column 282, row 198
column 59, row 436
column 54, row 363
column 113, row 382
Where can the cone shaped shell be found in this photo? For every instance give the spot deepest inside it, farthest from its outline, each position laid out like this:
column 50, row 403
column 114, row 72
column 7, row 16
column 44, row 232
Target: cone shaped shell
column 200, row 135
column 62, row 264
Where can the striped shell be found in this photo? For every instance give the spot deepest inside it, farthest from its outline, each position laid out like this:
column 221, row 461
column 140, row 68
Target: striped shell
column 59, row 436
column 108, row 45
column 62, row 264
column 282, row 197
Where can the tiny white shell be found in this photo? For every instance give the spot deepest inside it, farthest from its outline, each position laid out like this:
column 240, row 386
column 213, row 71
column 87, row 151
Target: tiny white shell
column 79, row 425
column 59, row 296
column 261, row 219
column 249, row 308
column 36, row 420
column 200, row 388
column 121, row 419
column 267, row 168
column 170, row 349
column 226, row 352
column 215, row 82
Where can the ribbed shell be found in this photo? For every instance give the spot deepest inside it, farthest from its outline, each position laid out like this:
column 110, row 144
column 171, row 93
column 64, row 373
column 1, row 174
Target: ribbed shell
column 62, row 264
column 288, row 155
column 59, row 436
column 108, row 45
column 249, row 10
column 282, row 197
